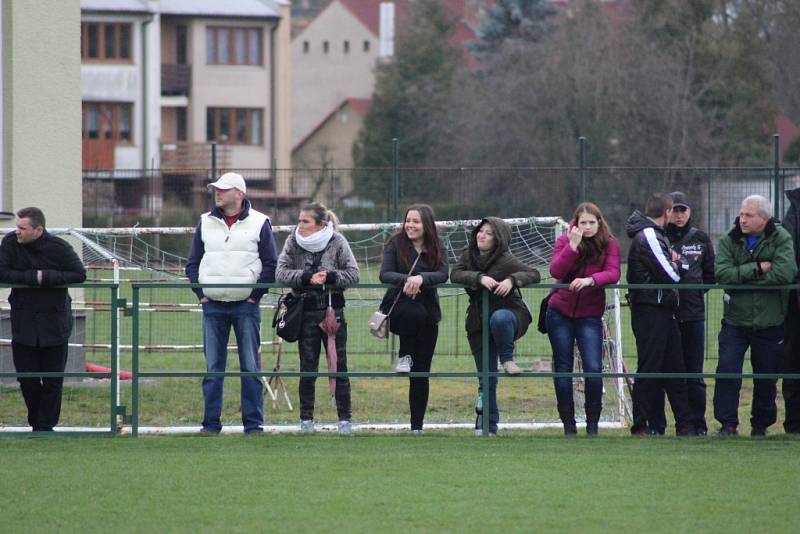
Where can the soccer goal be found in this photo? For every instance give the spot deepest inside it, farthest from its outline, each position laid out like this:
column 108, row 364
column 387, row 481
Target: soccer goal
column 170, row 326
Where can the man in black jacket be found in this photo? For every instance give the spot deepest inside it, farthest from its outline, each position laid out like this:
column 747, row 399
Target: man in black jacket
column 791, row 364
column 41, row 315
column 655, row 327
column 696, row 256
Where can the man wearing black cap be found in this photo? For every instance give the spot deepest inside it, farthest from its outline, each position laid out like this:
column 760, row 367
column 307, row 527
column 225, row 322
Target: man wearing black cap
column 696, row 255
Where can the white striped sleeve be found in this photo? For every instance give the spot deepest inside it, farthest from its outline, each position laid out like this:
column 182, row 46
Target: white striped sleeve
column 655, row 248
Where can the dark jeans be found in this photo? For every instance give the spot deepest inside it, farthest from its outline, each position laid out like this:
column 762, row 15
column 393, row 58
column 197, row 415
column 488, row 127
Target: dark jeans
column 42, row 395
column 245, row 319
column 766, row 353
column 693, row 339
column 564, row 332
column 791, row 364
column 418, row 334
column 311, row 338
column 658, row 348
column 503, row 326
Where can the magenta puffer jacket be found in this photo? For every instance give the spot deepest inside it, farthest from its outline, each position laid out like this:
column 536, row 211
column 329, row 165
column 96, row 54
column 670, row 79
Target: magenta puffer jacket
column 589, row 301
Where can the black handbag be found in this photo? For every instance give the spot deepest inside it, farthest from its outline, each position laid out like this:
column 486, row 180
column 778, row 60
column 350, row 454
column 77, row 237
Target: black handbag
column 288, row 317
column 541, row 325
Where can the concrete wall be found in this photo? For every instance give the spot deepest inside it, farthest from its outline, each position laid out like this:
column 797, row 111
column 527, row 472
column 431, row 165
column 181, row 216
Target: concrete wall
column 323, row 81
column 42, row 108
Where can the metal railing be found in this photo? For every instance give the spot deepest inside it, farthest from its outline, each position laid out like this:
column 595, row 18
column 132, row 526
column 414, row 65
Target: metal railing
column 115, row 409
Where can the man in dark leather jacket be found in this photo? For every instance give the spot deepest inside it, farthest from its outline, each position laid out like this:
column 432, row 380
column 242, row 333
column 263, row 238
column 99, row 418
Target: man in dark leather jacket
column 696, row 254
column 41, row 316
column 653, row 320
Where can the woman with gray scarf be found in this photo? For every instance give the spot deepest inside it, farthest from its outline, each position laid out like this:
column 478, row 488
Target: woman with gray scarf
column 486, row 263
column 318, row 264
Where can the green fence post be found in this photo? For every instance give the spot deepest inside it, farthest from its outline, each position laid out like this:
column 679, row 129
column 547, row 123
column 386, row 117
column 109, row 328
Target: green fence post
column 486, row 409
column 582, row 174
column 135, row 363
column 114, row 359
column 395, row 179
column 776, row 169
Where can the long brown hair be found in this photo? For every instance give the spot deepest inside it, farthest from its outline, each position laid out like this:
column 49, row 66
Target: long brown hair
column 592, row 249
column 431, row 245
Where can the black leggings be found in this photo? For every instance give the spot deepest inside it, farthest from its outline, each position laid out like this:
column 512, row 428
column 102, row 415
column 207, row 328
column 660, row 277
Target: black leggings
column 418, row 334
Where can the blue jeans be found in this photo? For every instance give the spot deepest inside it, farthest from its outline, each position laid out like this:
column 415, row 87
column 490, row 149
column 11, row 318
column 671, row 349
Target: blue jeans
column 766, row 355
column 503, row 326
column 244, row 317
column 564, row 332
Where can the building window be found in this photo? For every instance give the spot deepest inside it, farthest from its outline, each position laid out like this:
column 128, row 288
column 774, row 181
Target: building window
column 180, row 124
column 306, row 47
column 325, row 46
column 106, row 41
column 233, row 46
column 109, row 121
column 234, row 126
column 346, row 47
column 366, row 46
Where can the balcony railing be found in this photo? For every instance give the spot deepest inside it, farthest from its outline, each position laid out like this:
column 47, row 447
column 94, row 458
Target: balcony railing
column 176, row 80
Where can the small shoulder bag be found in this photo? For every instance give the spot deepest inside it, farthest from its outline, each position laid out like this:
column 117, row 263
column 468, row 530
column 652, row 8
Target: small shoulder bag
column 379, row 321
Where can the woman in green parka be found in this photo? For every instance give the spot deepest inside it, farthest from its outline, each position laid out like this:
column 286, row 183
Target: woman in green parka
column 487, row 263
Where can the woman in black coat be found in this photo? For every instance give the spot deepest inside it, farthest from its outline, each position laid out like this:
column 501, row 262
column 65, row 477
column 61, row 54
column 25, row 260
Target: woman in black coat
column 414, row 260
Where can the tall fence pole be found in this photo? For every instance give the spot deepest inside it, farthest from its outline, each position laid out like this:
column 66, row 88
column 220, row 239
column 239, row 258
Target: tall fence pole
column 582, row 175
column 776, row 170
column 213, row 169
column 395, row 178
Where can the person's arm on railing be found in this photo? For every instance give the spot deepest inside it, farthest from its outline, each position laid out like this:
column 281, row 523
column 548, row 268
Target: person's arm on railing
column 459, row 274
column 610, row 272
column 193, row 261
column 349, row 273
column 72, row 271
column 269, row 258
column 9, row 275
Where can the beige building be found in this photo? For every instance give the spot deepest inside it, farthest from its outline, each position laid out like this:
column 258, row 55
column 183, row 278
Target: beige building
column 334, row 59
column 326, row 153
column 41, row 156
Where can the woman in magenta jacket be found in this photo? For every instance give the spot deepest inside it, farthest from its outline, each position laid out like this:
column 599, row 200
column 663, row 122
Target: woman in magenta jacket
column 586, row 258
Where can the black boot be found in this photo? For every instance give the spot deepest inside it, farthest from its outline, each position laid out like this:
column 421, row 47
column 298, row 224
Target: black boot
column 592, row 417
column 566, row 412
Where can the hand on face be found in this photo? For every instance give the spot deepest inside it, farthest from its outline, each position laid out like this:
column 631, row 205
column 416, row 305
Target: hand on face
column 575, row 235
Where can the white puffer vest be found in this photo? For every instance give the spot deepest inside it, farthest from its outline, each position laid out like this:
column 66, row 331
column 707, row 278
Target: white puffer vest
column 231, row 255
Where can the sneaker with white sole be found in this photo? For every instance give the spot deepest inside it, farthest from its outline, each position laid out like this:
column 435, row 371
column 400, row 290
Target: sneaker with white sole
column 345, row 428
column 512, row 368
column 417, row 432
column 404, row 364
column 307, row 426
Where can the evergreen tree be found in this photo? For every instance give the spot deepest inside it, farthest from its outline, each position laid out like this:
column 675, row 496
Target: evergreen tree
column 512, row 20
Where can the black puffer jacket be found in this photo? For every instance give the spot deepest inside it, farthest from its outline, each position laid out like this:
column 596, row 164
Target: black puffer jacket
column 649, row 262
column 40, row 316
column 697, row 261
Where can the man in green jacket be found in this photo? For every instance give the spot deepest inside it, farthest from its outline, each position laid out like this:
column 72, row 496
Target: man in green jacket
column 757, row 251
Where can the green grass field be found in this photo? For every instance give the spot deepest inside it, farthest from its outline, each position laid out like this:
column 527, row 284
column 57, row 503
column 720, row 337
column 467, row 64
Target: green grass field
column 448, row 482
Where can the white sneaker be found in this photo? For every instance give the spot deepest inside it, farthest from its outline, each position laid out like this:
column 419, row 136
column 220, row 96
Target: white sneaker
column 307, row 426
column 417, row 432
column 512, row 368
column 404, row 364
column 345, row 428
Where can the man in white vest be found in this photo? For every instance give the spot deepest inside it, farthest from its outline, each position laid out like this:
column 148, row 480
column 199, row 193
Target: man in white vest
column 233, row 244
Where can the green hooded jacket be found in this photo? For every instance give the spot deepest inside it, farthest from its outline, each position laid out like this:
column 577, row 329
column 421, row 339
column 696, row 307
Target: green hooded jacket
column 752, row 308
column 499, row 264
